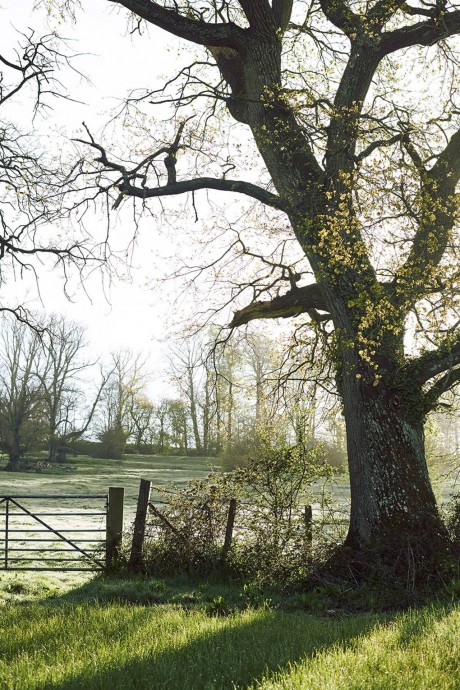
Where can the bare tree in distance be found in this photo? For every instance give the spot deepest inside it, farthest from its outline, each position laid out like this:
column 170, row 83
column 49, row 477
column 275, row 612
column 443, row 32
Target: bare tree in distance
column 59, row 369
column 142, row 413
column 125, row 385
column 363, row 179
column 21, row 415
column 187, row 365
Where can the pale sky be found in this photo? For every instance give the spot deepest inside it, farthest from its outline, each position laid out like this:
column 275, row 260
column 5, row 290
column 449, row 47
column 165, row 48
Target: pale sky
column 126, row 313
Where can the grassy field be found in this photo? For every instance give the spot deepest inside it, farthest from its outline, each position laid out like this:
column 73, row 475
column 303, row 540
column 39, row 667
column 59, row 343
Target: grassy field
column 152, row 634
column 70, row 630
column 89, row 475
column 83, row 475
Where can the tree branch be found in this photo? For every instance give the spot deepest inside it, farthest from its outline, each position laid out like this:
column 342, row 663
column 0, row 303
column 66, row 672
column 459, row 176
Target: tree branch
column 282, row 11
column 380, row 143
column 423, row 33
column 298, row 301
column 200, row 32
column 382, row 11
column 437, row 217
column 258, row 13
column 341, row 16
column 194, row 185
column 447, row 167
column 442, row 385
column 435, row 362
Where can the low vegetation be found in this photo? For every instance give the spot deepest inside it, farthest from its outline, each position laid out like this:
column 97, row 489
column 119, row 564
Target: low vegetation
column 157, row 633
column 214, row 631
column 246, row 523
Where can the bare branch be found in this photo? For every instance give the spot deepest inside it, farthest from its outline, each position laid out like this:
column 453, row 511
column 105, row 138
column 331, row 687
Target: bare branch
column 298, row 301
column 423, row 34
column 194, row 185
column 200, row 32
column 379, row 143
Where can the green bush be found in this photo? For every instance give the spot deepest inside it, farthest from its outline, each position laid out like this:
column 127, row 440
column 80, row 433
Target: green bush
column 112, row 443
column 271, row 541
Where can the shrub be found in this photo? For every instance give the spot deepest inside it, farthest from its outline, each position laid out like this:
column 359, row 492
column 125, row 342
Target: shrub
column 112, row 443
column 271, row 540
column 187, row 534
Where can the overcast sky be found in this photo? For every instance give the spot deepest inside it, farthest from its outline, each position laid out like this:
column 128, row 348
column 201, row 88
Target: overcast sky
column 126, row 313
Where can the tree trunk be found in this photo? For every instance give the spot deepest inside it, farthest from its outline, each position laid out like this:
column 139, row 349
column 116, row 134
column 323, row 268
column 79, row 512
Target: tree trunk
column 14, row 461
column 393, row 509
column 193, row 412
column 53, row 449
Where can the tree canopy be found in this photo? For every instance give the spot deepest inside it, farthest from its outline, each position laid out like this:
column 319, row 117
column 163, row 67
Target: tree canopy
column 353, row 111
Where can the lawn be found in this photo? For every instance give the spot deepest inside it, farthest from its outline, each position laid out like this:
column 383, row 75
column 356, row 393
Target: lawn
column 153, row 634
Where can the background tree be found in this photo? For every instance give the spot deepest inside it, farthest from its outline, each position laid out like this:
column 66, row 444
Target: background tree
column 142, row 414
column 59, row 369
column 22, row 420
column 186, row 362
column 125, row 384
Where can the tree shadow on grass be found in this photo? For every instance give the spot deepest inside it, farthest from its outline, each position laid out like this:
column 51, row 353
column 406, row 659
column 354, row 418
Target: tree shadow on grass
column 162, row 646
column 150, row 646
column 224, row 653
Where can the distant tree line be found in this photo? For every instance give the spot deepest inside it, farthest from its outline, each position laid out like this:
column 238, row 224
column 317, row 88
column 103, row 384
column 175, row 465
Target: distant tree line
column 53, row 398
column 227, row 398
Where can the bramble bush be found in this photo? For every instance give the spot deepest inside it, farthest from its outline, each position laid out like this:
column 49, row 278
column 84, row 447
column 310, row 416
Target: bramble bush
column 271, row 541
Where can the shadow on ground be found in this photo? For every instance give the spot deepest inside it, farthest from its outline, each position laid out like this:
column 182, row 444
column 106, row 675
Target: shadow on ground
column 170, row 638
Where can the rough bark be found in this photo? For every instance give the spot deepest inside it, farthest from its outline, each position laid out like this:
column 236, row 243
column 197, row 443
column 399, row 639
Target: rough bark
column 393, row 507
column 14, row 463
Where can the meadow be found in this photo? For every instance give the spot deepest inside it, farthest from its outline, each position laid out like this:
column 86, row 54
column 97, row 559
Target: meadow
column 85, row 475
column 82, row 476
column 69, row 631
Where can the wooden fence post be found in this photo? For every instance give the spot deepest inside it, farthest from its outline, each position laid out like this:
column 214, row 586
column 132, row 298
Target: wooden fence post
column 229, row 529
column 114, row 528
column 308, row 520
column 135, row 560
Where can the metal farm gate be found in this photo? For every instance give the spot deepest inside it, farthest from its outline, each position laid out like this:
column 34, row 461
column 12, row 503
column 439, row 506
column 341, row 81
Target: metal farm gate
column 53, row 532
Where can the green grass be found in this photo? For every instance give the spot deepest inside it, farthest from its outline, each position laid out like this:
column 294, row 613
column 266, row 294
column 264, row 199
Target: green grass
column 93, row 475
column 68, row 631
column 146, row 633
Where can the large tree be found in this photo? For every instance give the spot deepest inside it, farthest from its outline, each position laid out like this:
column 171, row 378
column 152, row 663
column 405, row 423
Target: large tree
column 366, row 176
